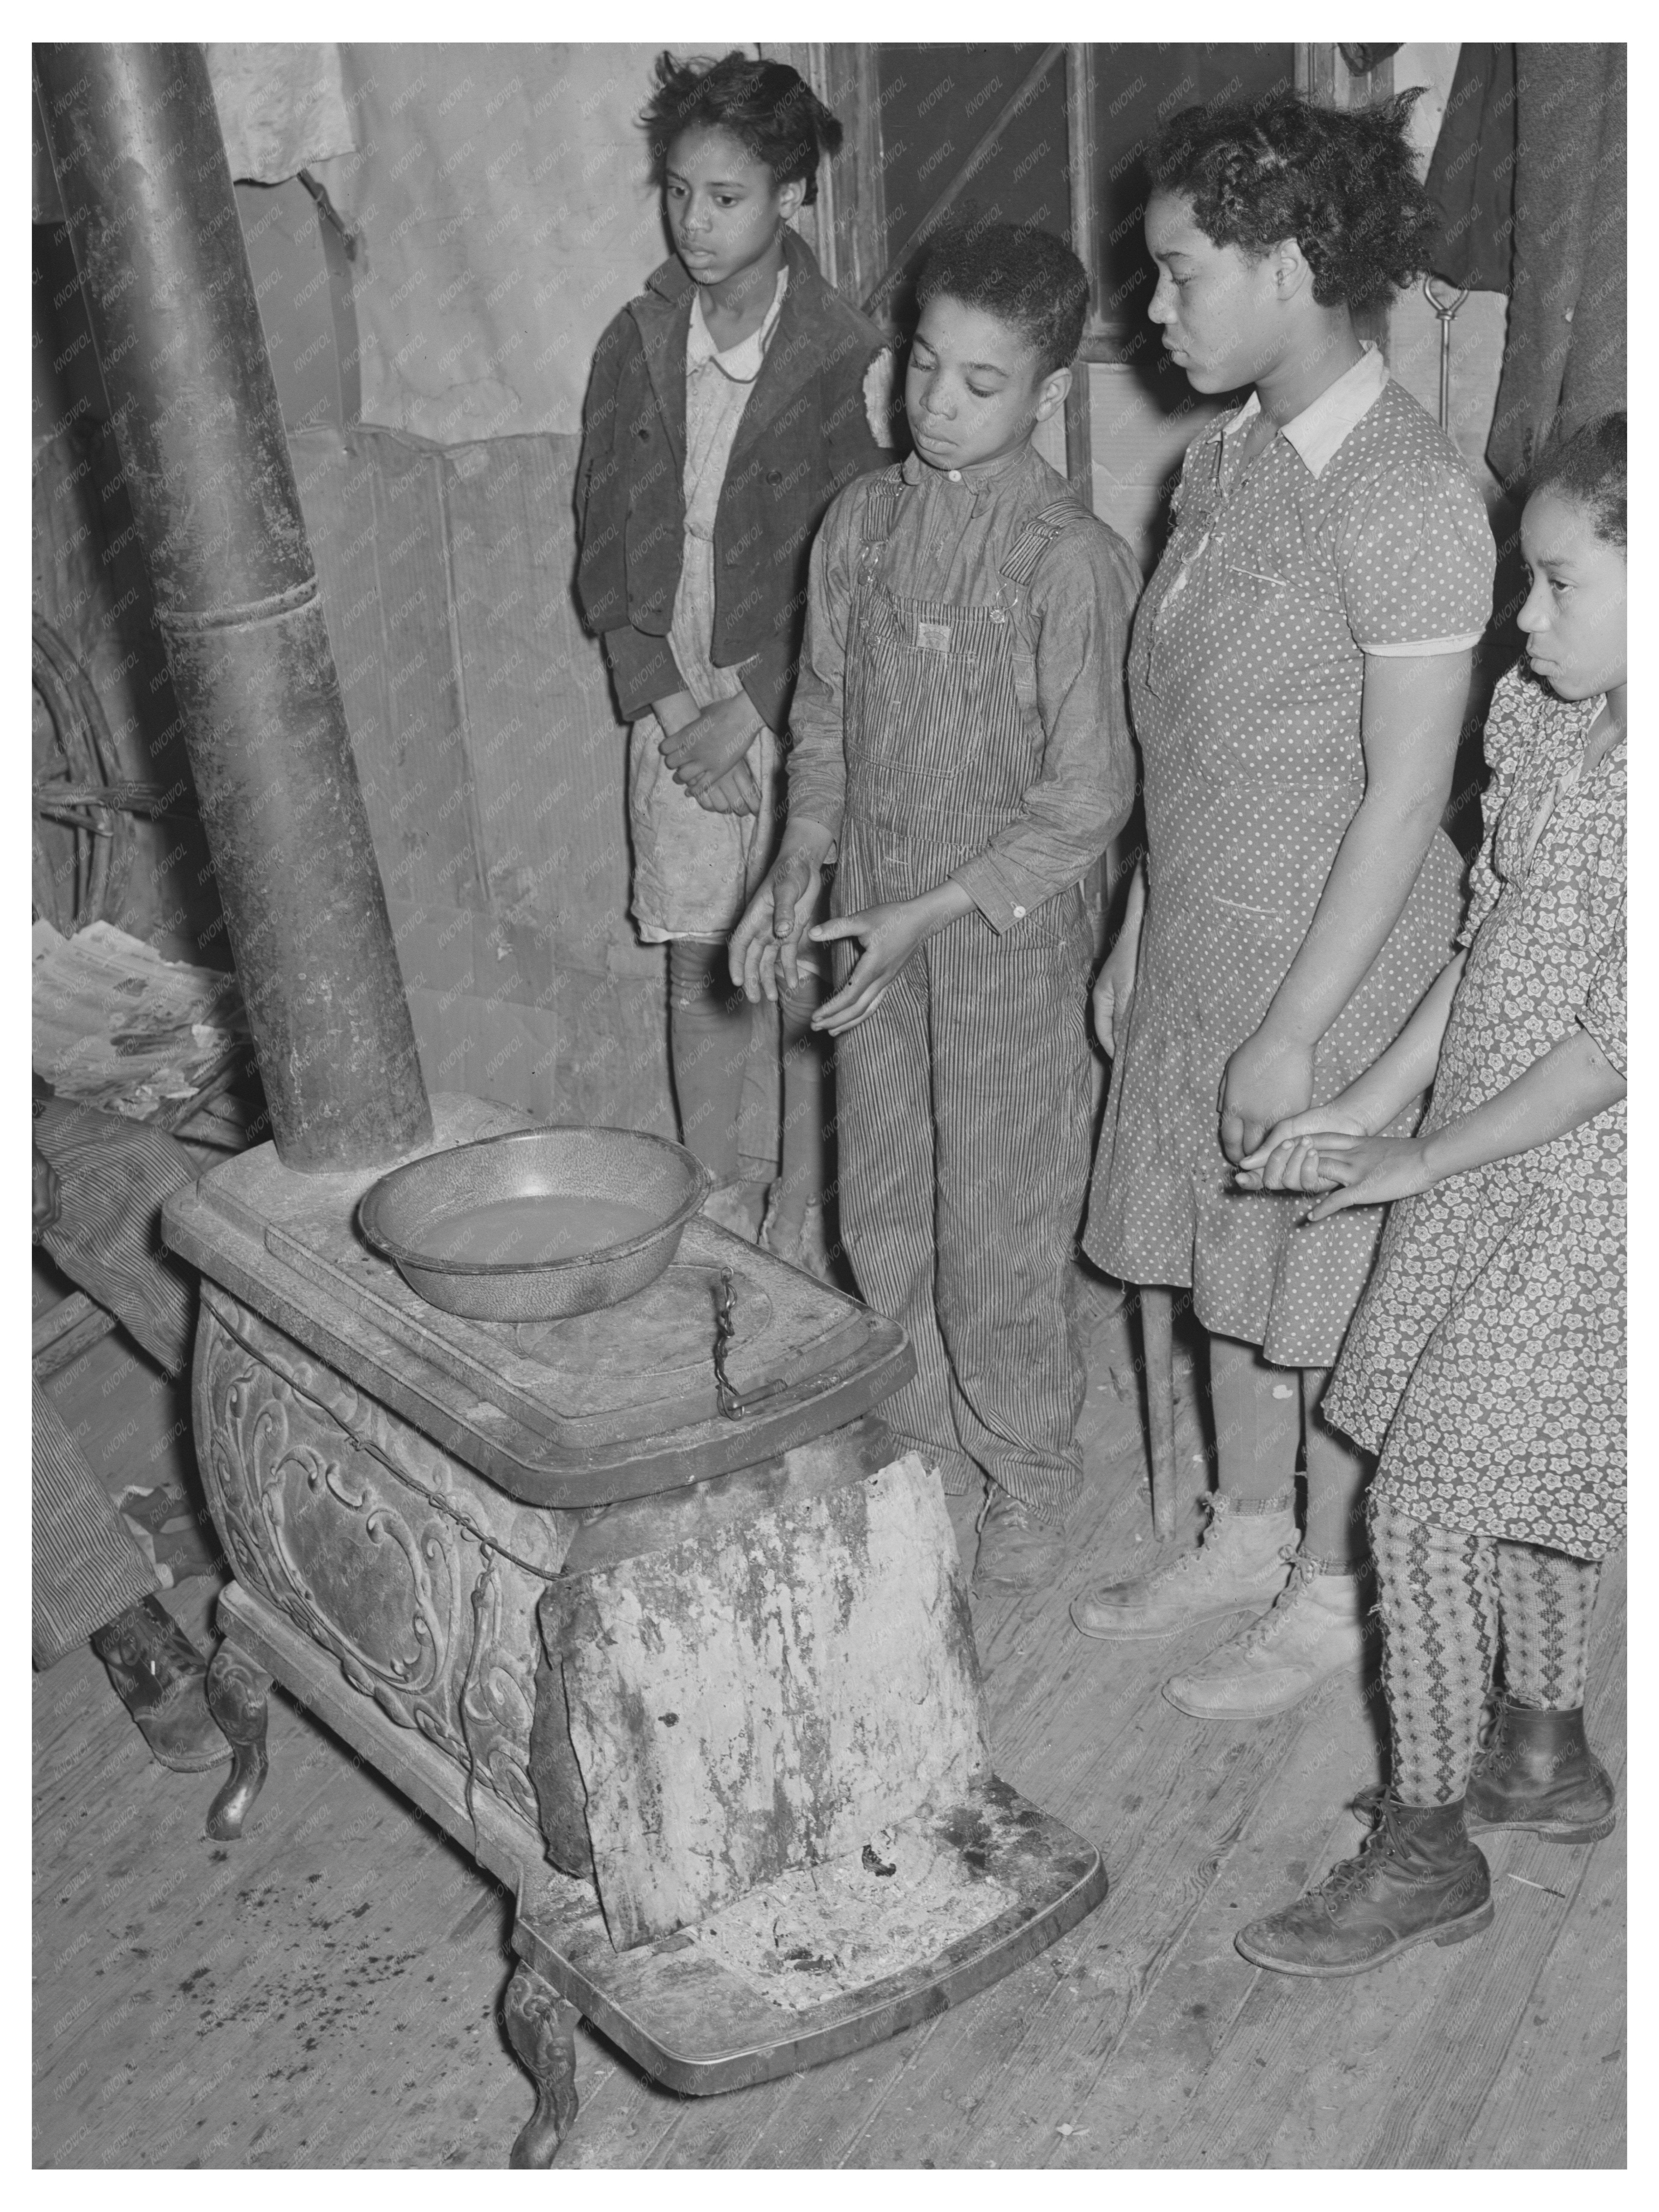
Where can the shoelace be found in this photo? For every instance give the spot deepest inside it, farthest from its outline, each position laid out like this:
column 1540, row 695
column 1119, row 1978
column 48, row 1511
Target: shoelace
column 1189, row 1560
column 1351, row 1873
column 1268, row 1629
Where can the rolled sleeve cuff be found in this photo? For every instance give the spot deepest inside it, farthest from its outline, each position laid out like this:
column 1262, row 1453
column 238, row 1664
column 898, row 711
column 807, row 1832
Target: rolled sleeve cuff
column 1421, row 649
column 983, row 881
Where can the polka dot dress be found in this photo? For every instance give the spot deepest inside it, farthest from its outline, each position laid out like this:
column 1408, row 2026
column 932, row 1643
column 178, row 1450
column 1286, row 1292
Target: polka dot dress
column 1246, row 670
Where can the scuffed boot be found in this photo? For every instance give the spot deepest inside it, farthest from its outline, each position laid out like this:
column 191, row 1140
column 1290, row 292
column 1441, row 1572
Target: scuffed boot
column 1317, row 1629
column 162, row 1679
column 1018, row 1549
column 1417, row 1879
column 1539, row 1775
column 1239, row 1567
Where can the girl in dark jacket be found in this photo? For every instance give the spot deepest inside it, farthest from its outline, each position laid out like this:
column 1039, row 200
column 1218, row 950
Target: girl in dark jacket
column 728, row 404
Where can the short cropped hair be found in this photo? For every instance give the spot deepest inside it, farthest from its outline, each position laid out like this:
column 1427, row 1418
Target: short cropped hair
column 1588, row 468
column 1343, row 185
column 1026, row 277
column 767, row 106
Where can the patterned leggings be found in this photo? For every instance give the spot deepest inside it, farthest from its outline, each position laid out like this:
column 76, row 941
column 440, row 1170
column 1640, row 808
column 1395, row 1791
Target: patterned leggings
column 1445, row 1597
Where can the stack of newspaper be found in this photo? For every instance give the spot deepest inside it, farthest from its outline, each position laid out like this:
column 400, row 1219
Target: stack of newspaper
column 122, row 1028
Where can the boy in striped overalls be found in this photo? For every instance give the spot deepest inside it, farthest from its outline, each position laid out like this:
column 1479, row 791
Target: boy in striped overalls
column 960, row 743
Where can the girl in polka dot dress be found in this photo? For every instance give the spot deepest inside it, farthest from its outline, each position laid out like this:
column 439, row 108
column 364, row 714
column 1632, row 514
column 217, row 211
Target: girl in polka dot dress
column 1298, row 674
column 1487, row 1356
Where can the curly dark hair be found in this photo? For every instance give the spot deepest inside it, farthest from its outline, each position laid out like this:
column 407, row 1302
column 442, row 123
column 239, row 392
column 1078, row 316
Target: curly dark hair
column 1343, row 185
column 1025, row 276
column 1588, row 466
column 766, row 106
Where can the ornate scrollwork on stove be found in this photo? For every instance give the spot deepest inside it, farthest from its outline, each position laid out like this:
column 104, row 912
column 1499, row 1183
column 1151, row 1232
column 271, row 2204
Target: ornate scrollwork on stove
column 498, row 1695
column 359, row 1560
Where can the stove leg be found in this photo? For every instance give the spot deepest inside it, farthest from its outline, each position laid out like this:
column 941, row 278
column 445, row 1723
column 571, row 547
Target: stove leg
column 541, row 2026
column 236, row 1697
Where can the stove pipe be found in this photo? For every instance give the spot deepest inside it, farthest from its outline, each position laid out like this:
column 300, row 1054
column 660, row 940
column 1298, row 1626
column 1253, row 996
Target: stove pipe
column 140, row 164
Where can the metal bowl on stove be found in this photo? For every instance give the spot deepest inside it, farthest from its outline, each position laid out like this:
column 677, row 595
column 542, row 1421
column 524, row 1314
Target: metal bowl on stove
column 422, row 1216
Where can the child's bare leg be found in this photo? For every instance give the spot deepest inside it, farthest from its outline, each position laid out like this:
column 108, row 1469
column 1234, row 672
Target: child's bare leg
column 1258, row 1425
column 708, row 1028
column 1337, row 1475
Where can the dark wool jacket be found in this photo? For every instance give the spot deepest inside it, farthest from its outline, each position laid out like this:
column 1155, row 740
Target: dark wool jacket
column 803, row 434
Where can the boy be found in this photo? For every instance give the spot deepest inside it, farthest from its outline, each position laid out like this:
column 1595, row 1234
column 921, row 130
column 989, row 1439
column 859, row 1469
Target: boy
column 960, row 745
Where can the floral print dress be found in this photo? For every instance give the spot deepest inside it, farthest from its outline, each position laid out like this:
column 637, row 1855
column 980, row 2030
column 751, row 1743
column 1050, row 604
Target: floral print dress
column 1487, row 1359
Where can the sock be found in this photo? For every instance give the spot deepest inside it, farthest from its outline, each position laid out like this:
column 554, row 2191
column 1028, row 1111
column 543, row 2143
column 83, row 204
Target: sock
column 1438, row 1593
column 1547, row 1598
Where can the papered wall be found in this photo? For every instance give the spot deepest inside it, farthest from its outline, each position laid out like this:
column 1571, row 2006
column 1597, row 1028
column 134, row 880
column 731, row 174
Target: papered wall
column 492, row 767
column 505, row 211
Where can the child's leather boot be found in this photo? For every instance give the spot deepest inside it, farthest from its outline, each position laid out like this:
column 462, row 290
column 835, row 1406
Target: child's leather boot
column 1239, row 1567
column 1018, row 1549
column 1316, row 1630
column 1538, row 1774
column 1416, row 1879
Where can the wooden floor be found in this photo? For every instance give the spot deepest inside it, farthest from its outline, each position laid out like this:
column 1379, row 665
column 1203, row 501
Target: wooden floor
column 327, row 1992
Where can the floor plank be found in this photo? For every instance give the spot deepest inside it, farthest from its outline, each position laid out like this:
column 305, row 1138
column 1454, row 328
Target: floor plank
column 327, row 1992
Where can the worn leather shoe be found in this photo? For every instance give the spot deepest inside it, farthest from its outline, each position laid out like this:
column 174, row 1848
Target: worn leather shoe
column 1537, row 1774
column 1416, row 1879
column 1017, row 1550
column 1239, row 1567
column 1316, row 1630
column 162, row 1679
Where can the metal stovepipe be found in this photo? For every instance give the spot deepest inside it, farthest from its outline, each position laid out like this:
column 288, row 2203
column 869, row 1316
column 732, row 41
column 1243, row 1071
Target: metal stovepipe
column 140, row 164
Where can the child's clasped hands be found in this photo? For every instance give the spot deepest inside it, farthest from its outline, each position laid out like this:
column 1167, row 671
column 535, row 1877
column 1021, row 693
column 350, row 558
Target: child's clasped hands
column 1327, row 1150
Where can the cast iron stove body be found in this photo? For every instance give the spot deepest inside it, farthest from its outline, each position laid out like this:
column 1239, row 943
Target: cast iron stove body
column 679, row 1680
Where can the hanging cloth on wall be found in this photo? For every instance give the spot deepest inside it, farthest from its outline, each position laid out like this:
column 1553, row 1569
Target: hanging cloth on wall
column 1471, row 179
column 1564, row 355
column 281, row 107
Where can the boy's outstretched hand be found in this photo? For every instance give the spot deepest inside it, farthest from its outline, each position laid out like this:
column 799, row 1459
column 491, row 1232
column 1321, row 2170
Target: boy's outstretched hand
column 770, row 935
column 889, row 933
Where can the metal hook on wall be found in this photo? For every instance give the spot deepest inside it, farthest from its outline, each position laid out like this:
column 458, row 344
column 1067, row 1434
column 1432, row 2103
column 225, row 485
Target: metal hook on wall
column 1444, row 311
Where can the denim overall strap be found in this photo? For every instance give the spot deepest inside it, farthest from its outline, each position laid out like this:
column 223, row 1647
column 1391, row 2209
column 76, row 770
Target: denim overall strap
column 1038, row 535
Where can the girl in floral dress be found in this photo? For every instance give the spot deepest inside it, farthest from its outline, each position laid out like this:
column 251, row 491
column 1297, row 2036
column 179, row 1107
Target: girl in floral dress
column 1487, row 1359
